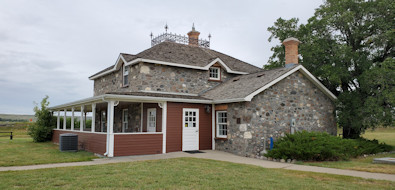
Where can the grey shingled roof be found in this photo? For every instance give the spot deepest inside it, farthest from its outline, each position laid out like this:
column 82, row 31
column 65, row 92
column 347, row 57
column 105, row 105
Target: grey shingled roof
column 188, row 55
column 244, row 85
column 158, row 95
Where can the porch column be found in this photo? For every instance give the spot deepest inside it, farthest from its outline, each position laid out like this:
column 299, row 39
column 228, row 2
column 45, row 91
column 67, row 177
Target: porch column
column 110, row 128
column 93, row 117
column 164, row 126
column 82, row 119
column 72, row 119
column 64, row 119
column 58, row 121
column 213, row 126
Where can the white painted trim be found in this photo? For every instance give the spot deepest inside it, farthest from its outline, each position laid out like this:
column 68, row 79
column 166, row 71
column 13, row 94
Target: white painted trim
column 148, row 110
column 72, row 119
column 164, row 126
column 58, row 121
column 141, row 116
column 228, row 101
column 213, row 126
column 81, row 131
column 93, row 125
column 139, row 60
column 217, row 123
column 110, row 128
column 82, row 118
column 139, row 133
column 65, row 119
column 297, row 68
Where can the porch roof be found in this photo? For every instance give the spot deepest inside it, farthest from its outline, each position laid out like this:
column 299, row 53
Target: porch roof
column 134, row 97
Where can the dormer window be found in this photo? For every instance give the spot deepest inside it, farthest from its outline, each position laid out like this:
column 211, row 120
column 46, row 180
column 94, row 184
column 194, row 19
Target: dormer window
column 125, row 79
column 215, row 73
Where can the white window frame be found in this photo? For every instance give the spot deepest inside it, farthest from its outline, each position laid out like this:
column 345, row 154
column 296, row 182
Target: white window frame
column 125, row 73
column 148, row 118
column 125, row 121
column 218, row 73
column 218, row 123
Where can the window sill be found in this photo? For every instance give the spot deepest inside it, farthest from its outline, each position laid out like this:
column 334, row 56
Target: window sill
column 215, row 80
column 125, row 86
column 221, row 138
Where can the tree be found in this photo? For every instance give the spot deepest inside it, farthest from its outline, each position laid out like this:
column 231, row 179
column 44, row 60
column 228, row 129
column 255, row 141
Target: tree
column 41, row 131
column 349, row 46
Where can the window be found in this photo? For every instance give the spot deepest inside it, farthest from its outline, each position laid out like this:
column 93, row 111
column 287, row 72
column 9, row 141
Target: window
column 124, row 120
column 103, row 122
column 151, row 120
column 215, row 73
column 222, row 124
column 125, row 79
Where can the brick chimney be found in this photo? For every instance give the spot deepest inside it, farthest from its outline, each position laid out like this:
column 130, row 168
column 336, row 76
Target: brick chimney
column 291, row 51
column 193, row 37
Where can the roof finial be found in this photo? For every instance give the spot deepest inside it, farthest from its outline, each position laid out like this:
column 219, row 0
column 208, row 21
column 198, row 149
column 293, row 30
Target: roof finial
column 193, row 26
column 209, row 36
column 166, row 27
column 152, row 35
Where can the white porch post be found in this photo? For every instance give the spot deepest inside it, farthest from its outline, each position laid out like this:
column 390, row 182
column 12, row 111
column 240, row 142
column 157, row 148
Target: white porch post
column 213, row 126
column 93, row 125
column 82, row 119
column 58, row 121
column 164, row 126
column 64, row 119
column 72, row 119
column 110, row 128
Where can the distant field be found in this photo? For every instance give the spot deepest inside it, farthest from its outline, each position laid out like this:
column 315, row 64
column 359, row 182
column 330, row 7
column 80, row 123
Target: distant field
column 16, row 117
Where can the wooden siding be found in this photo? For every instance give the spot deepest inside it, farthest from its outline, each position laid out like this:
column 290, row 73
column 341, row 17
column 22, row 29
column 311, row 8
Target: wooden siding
column 92, row 142
column 137, row 144
column 174, row 126
column 158, row 116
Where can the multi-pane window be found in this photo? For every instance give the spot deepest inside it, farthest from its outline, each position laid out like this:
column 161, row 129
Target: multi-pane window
column 222, row 124
column 124, row 120
column 151, row 120
column 215, row 73
column 190, row 119
column 125, row 71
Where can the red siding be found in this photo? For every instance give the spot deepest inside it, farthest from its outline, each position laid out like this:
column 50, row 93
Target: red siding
column 137, row 144
column 91, row 142
column 174, row 126
column 158, row 116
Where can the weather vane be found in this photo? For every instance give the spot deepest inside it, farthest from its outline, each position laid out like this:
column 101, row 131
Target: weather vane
column 166, row 27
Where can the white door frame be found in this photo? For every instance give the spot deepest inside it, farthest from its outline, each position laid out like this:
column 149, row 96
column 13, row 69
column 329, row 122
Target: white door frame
column 197, row 128
column 148, row 121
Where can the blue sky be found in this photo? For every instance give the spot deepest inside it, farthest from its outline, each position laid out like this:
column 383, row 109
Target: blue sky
column 51, row 47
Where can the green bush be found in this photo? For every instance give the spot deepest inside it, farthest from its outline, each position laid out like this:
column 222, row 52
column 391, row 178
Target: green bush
column 41, row 131
column 316, row 146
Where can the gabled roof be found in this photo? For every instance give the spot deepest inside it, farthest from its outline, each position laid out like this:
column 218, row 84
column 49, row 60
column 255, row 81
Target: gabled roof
column 245, row 87
column 180, row 55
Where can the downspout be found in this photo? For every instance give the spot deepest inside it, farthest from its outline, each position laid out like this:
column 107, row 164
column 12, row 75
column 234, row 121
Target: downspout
column 108, row 132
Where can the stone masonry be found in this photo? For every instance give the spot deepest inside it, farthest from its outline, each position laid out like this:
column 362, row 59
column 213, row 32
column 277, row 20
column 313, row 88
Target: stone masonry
column 155, row 77
column 270, row 114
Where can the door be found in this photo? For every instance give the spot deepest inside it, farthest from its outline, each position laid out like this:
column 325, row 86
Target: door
column 151, row 120
column 190, row 129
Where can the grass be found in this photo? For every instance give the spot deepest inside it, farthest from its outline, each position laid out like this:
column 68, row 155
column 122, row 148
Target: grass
column 383, row 135
column 23, row 151
column 180, row 173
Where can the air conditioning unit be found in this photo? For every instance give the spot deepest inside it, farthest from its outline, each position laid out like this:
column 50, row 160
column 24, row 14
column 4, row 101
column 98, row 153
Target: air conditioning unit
column 68, row 142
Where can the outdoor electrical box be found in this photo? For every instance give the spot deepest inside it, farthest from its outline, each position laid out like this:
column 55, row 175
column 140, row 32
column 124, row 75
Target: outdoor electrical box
column 68, row 142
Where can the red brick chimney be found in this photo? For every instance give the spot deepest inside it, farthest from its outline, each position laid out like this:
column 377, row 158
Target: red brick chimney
column 193, row 37
column 291, row 51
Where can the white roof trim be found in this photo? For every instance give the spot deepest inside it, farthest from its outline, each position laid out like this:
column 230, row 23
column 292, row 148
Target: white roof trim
column 138, row 60
column 303, row 71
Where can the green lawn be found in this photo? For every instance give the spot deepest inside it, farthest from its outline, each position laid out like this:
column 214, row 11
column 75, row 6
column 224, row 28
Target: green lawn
column 23, row 151
column 386, row 135
column 180, row 173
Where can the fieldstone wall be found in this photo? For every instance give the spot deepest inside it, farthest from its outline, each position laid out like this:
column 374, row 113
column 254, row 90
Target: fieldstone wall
column 270, row 114
column 155, row 77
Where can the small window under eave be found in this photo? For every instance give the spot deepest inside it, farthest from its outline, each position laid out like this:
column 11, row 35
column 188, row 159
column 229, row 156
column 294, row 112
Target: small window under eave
column 215, row 73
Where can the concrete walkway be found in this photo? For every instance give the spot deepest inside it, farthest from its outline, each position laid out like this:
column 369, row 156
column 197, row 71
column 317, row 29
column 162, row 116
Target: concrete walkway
column 214, row 155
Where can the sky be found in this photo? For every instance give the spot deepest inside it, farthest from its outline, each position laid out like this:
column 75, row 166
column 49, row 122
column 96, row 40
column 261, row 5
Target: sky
column 51, row 47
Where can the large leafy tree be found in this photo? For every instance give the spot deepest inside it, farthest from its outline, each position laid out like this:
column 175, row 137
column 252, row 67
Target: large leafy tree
column 349, row 46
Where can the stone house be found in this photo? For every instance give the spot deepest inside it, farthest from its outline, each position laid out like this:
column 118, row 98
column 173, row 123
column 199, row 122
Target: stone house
column 179, row 95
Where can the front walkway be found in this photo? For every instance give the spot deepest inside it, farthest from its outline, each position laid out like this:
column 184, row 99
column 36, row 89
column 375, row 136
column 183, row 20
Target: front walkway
column 214, row 155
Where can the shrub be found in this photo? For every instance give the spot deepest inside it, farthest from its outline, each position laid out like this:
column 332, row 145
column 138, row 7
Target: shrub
column 316, row 146
column 41, row 131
